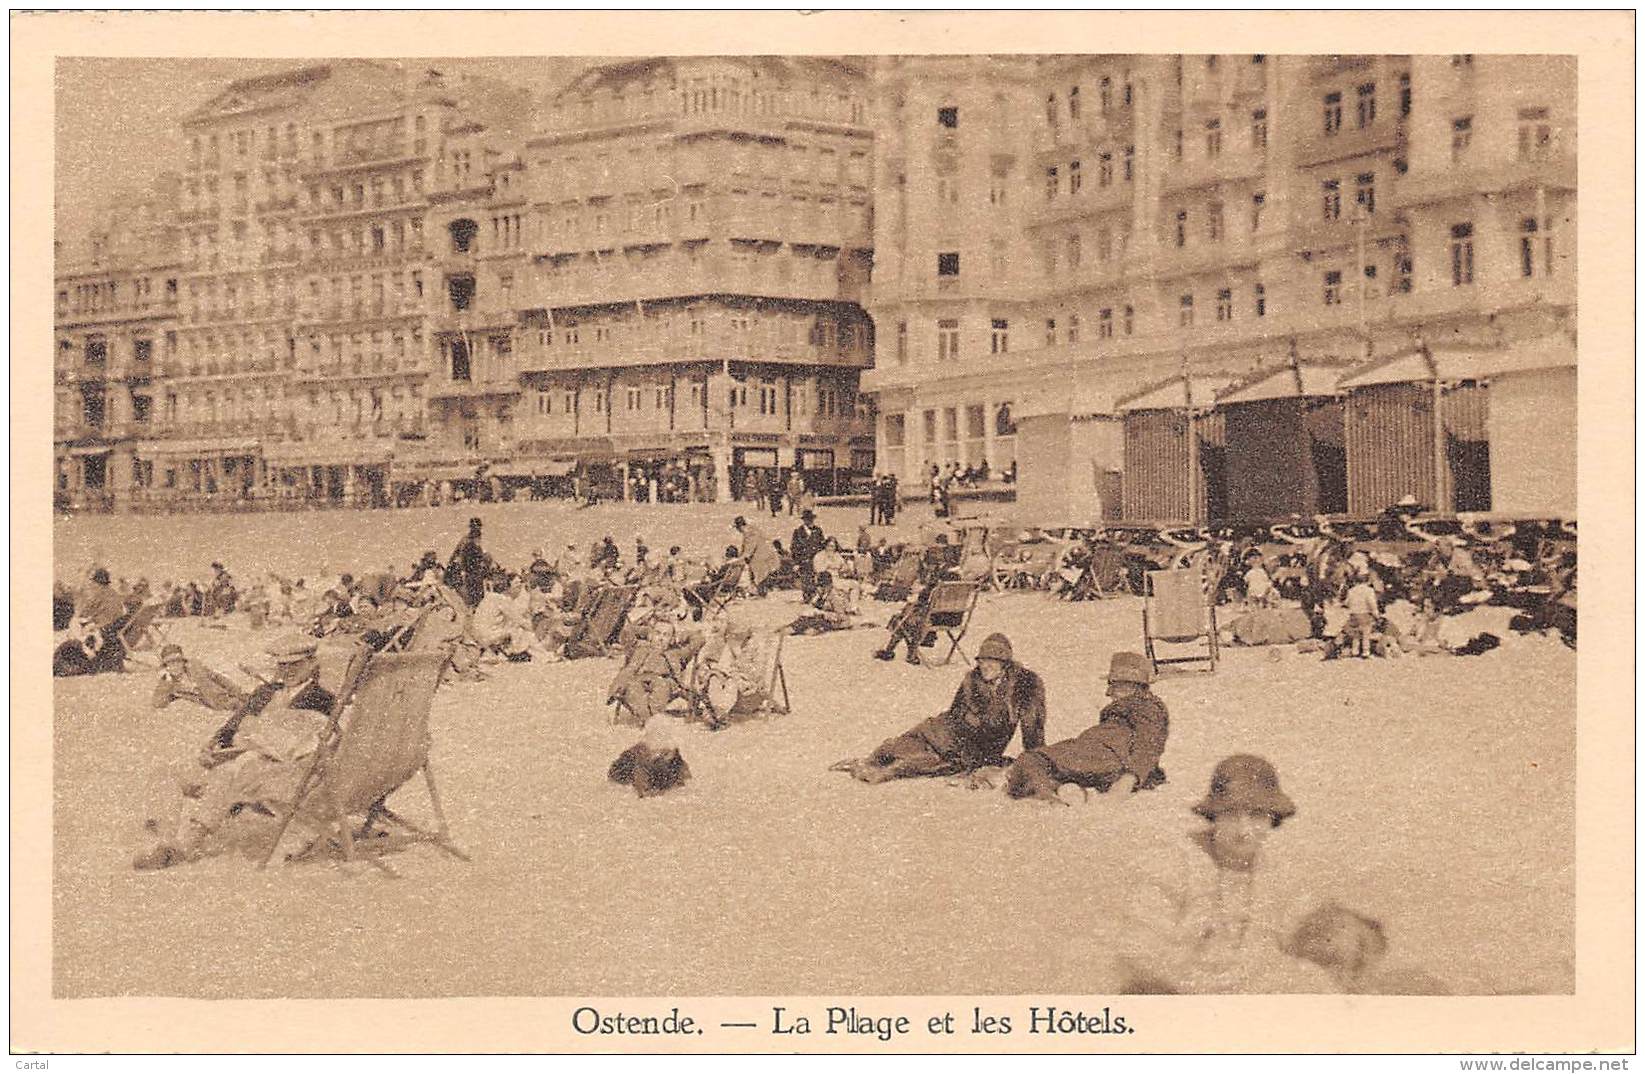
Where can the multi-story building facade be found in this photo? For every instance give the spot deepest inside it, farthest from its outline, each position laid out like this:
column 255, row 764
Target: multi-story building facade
column 294, row 290
column 1202, row 216
column 697, row 249
column 116, row 328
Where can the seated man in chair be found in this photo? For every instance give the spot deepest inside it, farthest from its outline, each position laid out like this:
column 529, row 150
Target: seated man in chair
column 997, row 697
column 257, row 759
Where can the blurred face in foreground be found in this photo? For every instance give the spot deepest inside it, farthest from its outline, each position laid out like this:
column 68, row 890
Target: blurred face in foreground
column 1237, row 837
column 990, row 669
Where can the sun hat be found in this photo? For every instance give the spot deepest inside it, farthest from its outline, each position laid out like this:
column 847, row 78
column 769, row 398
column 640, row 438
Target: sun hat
column 1245, row 783
column 995, row 647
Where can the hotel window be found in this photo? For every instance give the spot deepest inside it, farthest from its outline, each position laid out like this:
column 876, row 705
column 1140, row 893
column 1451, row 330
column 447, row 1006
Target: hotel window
column 1050, row 183
column 948, row 340
column 948, row 264
column 1462, row 254
column 1129, row 320
column 1365, row 193
column 1535, row 135
column 1333, row 288
column 1073, row 328
column 1213, row 222
column 1185, row 311
column 949, row 117
column 1331, row 200
column 1333, row 113
column 1213, row 137
column 1050, row 331
column 1130, row 158
column 1105, row 169
column 1225, row 305
column 1259, row 129
column 1074, row 103
column 1176, row 143
column 902, row 342
column 1528, row 249
column 1258, row 202
column 930, row 424
column 1051, row 112
column 1105, row 324
column 1073, row 247
column 1074, row 177
column 999, row 337
column 996, row 190
column 1105, row 243
column 1105, row 94
column 1402, row 274
column 1462, row 135
column 1259, row 296
column 1365, row 105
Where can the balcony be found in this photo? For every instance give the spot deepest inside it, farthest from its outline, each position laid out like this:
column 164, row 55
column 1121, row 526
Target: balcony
column 1317, row 147
column 1429, row 186
column 1227, row 167
column 1092, row 198
column 471, row 389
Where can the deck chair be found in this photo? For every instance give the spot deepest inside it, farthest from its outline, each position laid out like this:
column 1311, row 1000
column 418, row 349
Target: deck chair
column 603, row 621
column 141, row 632
column 950, row 612
column 770, row 693
column 377, row 741
column 718, row 598
column 1175, row 611
column 902, row 579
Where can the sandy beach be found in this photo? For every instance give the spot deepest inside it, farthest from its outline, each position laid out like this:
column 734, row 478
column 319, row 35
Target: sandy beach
column 1436, row 794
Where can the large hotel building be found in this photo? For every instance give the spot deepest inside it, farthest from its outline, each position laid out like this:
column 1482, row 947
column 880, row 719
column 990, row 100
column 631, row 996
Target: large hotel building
column 1148, row 286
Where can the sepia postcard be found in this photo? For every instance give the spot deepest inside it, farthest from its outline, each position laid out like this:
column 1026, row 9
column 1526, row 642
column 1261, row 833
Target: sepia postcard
column 858, row 532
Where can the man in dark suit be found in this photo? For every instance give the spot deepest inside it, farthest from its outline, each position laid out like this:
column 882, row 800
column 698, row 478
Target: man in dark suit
column 808, row 541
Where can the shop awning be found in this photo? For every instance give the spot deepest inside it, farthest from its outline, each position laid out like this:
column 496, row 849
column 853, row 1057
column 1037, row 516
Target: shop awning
column 535, row 468
column 89, row 449
column 1172, row 393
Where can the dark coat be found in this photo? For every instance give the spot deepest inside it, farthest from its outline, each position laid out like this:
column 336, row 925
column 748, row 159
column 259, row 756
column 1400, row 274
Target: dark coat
column 981, row 720
column 1129, row 736
column 468, row 569
column 649, row 771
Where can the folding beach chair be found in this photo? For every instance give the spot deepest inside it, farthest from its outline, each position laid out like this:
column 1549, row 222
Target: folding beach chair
column 950, row 612
column 1175, row 611
column 603, row 620
column 141, row 632
column 725, row 591
column 900, row 583
column 377, row 740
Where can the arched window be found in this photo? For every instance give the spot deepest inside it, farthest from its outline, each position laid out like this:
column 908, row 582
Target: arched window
column 1003, row 425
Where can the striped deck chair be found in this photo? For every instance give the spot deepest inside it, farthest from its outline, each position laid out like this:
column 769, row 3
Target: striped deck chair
column 377, row 741
column 762, row 667
column 606, row 612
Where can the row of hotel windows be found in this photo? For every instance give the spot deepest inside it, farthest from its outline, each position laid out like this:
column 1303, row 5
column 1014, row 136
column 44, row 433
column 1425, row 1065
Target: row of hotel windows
column 819, row 332
column 385, row 138
column 107, row 295
column 979, row 419
column 830, row 402
column 695, row 96
column 649, row 166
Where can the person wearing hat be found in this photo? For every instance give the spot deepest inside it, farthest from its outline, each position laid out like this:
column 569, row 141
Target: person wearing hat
column 1224, row 930
column 758, row 551
column 911, row 623
column 997, row 698
column 182, row 679
column 100, row 606
column 257, row 758
column 468, row 567
column 808, row 541
column 1128, row 739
